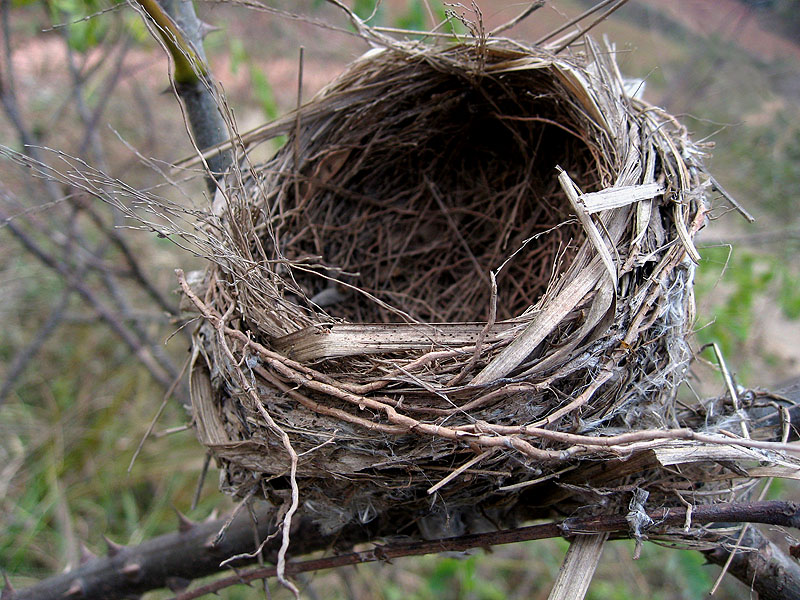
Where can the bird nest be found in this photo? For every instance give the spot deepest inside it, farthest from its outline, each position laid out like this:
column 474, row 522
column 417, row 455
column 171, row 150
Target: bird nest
column 462, row 286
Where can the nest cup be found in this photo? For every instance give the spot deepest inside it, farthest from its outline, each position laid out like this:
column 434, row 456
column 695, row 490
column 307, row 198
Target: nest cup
column 458, row 256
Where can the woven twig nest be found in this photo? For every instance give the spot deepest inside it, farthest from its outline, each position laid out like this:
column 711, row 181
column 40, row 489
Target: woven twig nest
column 463, row 266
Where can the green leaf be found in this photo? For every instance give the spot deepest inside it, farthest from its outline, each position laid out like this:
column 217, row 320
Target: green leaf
column 789, row 295
column 136, row 28
column 85, row 28
column 414, row 17
column 239, row 55
column 263, row 91
column 364, row 8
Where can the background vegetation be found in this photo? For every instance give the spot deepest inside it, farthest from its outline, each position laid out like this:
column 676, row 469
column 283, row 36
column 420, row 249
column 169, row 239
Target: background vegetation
column 73, row 412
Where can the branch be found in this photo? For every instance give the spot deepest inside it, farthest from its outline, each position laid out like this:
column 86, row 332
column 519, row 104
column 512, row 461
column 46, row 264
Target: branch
column 190, row 553
column 762, row 566
column 187, row 54
column 160, row 562
column 182, row 33
column 105, row 313
column 77, row 244
column 174, row 559
column 773, row 512
column 26, row 355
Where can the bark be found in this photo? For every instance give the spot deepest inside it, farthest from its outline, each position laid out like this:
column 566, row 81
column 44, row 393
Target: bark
column 173, row 560
column 764, row 567
column 197, row 92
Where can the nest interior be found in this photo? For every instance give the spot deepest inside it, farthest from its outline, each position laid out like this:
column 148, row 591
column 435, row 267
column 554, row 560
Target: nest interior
column 467, row 269
column 416, row 196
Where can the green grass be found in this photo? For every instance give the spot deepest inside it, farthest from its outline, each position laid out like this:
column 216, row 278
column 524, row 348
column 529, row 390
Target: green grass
column 731, row 284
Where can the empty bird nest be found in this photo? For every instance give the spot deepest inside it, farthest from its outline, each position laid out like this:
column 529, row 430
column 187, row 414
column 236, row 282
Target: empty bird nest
column 461, row 288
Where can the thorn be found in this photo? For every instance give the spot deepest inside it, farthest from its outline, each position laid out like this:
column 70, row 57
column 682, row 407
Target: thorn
column 113, row 547
column 75, row 590
column 213, row 516
column 8, row 592
column 206, row 28
column 184, row 523
column 86, row 554
column 178, row 584
column 132, row 571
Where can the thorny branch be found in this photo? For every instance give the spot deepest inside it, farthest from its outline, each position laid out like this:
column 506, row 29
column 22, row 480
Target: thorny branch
column 182, row 35
column 777, row 513
column 108, row 314
column 174, row 559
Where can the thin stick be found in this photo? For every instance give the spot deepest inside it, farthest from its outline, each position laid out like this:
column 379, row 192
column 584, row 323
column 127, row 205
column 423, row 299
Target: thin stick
column 572, row 22
column 742, row 211
column 726, row 374
column 786, row 514
column 534, row 6
column 473, row 461
column 201, row 479
column 157, row 416
column 592, row 25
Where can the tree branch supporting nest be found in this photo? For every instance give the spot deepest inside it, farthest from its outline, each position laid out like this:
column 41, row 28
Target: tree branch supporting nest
column 173, row 560
column 762, row 566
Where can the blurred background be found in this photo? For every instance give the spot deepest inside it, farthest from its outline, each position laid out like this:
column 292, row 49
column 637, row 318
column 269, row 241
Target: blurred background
column 88, row 344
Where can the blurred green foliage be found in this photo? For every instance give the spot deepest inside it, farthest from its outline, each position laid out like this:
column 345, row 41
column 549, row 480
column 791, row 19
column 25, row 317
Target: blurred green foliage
column 82, row 32
column 457, row 578
column 369, row 10
column 770, row 169
column 260, row 86
column 732, row 281
column 415, row 17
